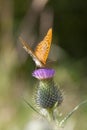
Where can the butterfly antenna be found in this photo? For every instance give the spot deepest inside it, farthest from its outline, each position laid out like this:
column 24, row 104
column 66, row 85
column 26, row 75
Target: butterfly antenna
column 70, row 113
column 29, row 105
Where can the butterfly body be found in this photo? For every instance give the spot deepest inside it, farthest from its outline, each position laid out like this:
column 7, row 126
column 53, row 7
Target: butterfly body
column 40, row 54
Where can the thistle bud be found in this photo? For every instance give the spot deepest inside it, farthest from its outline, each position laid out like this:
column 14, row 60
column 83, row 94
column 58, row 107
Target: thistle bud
column 47, row 93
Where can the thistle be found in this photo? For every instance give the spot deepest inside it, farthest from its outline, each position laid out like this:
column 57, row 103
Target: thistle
column 47, row 94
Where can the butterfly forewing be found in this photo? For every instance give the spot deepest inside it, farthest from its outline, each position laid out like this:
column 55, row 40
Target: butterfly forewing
column 29, row 51
column 43, row 48
column 27, row 47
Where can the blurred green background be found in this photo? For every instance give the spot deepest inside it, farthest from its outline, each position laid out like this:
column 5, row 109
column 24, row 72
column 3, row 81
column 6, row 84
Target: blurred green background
column 31, row 19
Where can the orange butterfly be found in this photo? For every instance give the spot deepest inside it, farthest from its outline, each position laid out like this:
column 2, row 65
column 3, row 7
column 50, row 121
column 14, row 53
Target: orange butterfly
column 40, row 54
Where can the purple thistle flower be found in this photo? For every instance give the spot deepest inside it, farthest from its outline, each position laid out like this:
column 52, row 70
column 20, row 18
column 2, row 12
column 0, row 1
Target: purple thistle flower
column 43, row 73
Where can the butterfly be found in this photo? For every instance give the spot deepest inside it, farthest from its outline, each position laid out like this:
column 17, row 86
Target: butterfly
column 41, row 52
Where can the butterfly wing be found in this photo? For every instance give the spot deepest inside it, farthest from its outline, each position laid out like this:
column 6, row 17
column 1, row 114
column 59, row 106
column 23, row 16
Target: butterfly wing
column 43, row 48
column 29, row 51
column 26, row 46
